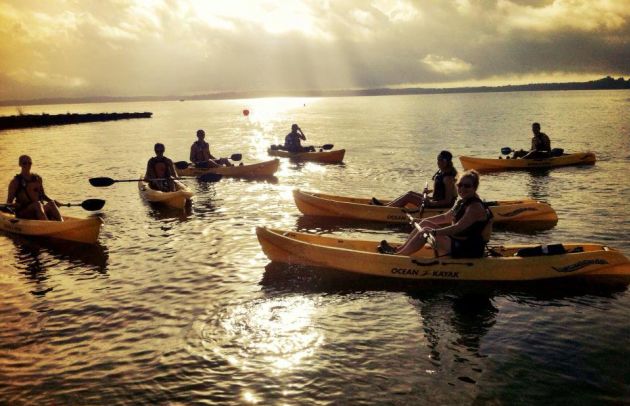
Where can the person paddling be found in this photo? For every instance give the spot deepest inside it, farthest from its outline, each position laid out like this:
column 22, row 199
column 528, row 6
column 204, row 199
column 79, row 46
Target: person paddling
column 200, row 153
column 469, row 230
column 444, row 191
column 292, row 141
column 541, row 145
column 160, row 171
column 27, row 190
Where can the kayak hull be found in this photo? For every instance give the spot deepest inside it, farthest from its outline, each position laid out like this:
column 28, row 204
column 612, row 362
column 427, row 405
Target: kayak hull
column 83, row 230
column 257, row 170
column 361, row 257
column 330, row 157
column 524, row 211
column 178, row 199
column 491, row 164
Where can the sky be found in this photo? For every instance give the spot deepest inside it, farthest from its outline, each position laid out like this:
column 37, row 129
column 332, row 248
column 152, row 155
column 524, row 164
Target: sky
column 65, row 48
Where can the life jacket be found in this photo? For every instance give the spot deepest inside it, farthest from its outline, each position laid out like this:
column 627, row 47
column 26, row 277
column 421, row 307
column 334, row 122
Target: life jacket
column 155, row 161
column 476, row 229
column 198, row 151
column 541, row 143
column 292, row 142
column 22, row 198
column 439, row 189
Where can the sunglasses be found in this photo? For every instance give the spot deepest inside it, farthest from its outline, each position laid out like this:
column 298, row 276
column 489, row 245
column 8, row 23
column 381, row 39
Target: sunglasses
column 465, row 185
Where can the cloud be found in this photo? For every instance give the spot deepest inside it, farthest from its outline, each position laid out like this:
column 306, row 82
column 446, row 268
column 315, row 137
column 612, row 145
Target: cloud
column 160, row 47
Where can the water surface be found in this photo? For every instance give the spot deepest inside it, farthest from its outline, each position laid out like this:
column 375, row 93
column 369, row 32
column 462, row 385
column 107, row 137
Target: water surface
column 183, row 307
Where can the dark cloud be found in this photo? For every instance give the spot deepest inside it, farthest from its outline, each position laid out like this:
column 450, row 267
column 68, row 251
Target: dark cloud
column 119, row 48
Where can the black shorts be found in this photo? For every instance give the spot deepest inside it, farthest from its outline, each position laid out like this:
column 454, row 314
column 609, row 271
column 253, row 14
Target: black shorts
column 469, row 248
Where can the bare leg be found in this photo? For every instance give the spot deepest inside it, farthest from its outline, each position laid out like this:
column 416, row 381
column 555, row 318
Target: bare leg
column 409, row 197
column 52, row 211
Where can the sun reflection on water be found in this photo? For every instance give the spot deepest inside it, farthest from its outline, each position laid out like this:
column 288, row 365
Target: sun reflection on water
column 275, row 334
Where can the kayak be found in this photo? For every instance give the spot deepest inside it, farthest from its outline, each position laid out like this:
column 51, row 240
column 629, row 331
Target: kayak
column 330, row 157
column 177, row 200
column 492, row 164
column 524, row 211
column 508, row 263
column 84, row 230
column 257, row 170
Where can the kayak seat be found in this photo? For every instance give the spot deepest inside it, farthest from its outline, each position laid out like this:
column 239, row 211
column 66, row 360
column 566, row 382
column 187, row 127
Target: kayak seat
column 551, row 249
column 7, row 209
column 557, row 152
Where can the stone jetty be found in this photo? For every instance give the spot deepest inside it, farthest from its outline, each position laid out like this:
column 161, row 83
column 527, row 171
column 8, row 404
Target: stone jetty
column 44, row 120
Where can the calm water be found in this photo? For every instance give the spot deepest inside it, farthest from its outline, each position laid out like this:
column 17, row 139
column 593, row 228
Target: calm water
column 183, row 308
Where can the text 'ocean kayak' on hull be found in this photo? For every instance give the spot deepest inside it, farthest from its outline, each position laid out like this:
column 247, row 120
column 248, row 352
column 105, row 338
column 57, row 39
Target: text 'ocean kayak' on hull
column 361, row 257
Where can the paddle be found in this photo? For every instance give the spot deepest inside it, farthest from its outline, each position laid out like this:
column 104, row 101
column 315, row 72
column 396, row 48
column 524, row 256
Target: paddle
column 105, row 181
column 89, row 204
column 422, row 206
column 184, row 164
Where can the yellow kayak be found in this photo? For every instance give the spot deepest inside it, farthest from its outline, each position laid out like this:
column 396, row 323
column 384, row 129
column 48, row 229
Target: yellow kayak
column 257, row 170
column 510, row 263
column 178, row 199
column 84, row 230
column 330, row 157
column 523, row 212
column 492, row 164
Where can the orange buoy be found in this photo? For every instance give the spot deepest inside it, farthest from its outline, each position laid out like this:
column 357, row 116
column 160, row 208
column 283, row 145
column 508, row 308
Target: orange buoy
column 246, row 112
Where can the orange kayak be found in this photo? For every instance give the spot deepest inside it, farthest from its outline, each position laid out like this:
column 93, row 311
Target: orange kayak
column 330, row 157
column 493, row 164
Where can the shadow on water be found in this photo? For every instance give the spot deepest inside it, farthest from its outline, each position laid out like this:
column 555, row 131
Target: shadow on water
column 283, row 278
column 35, row 255
column 161, row 212
column 332, row 224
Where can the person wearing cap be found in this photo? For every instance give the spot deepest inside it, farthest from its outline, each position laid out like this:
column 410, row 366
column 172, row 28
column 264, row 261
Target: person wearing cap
column 200, row 153
column 160, row 171
column 27, row 190
column 292, row 140
column 444, row 190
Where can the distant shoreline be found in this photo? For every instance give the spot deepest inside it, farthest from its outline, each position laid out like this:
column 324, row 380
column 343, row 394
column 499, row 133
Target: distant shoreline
column 607, row 83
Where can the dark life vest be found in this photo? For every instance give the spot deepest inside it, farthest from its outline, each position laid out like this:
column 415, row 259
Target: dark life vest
column 439, row 189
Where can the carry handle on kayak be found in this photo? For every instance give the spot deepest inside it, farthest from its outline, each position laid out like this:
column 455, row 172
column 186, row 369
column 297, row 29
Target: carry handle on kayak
column 88, row 204
column 185, row 164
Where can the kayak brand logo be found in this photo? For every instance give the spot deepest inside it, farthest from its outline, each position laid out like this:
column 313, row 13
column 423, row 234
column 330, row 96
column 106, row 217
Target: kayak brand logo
column 579, row 265
column 425, row 273
column 516, row 212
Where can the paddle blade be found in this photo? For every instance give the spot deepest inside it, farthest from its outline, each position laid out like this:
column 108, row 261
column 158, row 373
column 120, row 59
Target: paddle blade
column 181, row 164
column 236, row 157
column 92, row 204
column 210, row 177
column 327, row 146
column 102, row 182
column 506, row 150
